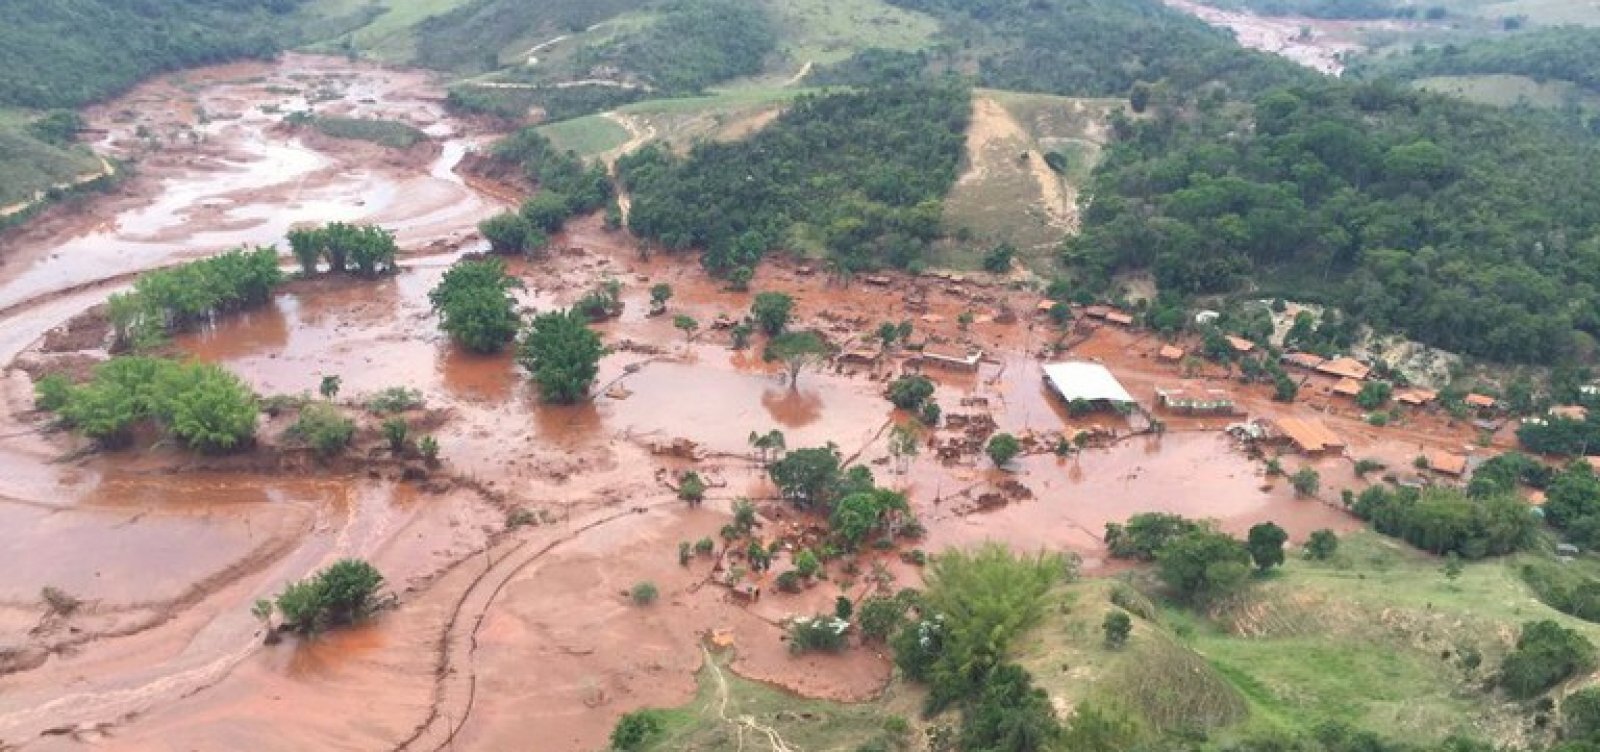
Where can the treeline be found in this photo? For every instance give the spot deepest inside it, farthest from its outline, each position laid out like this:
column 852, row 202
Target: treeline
column 391, row 133
column 187, row 295
column 201, row 404
column 690, row 45
column 66, row 53
column 556, row 102
column 1562, row 53
column 1466, row 227
column 863, row 173
column 1096, row 47
column 1360, row 9
column 1447, row 521
column 367, row 250
column 469, row 37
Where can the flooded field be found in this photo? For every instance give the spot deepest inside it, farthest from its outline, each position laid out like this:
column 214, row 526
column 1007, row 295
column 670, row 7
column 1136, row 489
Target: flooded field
column 505, row 632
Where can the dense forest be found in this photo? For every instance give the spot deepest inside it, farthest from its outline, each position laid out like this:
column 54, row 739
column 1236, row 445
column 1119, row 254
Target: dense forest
column 860, row 173
column 1094, row 47
column 1561, row 53
column 65, row 53
column 1469, row 228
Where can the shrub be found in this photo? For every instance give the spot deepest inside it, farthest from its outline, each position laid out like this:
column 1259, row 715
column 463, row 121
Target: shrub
column 1305, row 481
column 1146, row 534
column 929, row 414
column 644, row 593
column 881, row 617
column 1117, row 626
column 1546, row 654
column 822, row 632
column 634, row 730
column 510, row 233
column 1580, row 714
column 807, row 564
column 395, row 399
column 395, row 431
column 342, row 594
column 788, row 581
column 1322, row 545
column 206, row 407
column 428, row 447
column 704, row 546
column 50, row 393
column 1125, row 597
column 322, row 427
column 691, row 487
column 771, row 311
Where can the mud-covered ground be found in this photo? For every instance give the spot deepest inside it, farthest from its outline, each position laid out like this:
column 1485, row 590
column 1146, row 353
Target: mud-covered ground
column 1317, row 43
column 504, row 636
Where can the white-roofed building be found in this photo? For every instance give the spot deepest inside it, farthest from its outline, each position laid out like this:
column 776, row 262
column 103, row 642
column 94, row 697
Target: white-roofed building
column 1090, row 382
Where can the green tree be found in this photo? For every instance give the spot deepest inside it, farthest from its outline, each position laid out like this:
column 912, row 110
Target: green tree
column 635, row 730
column 1002, row 448
column 797, row 351
column 687, row 325
column 1322, row 545
column 343, row 594
column 910, row 391
column 1117, row 627
column 395, row 432
column 475, row 304
column 1580, row 714
column 206, row 407
column 904, row 442
column 771, row 311
column 809, row 477
column 1265, row 542
column 860, row 514
column 644, row 593
column 1203, row 565
column 322, row 427
column 562, row 354
column 329, row 386
column 306, row 244
column 660, row 293
column 1546, row 654
column 1306, row 481
column 509, row 233
column 1374, row 394
column 998, row 259
column 546, row 211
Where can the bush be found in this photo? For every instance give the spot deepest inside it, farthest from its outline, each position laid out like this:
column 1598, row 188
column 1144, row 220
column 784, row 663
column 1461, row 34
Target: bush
column 201, row 404
column 644, row 593
column 323, row 428
column 395, row 431
column 789, row 581
column 428, row 447
column 1305, row 481
column 1203, row 565
column 395, row 399
column 1322, row 545
column 340, row 595
column 1117, row 626
column 184, row 296
column 691, row 488
column 1580, row 714
column 634, row 730
column 50, row 393
column 771, row 311
column 1546, row 654
column 1146, row 534
column 822, row 632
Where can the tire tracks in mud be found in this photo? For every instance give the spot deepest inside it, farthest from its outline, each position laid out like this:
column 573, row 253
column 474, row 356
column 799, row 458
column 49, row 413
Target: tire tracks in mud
column 456, row 677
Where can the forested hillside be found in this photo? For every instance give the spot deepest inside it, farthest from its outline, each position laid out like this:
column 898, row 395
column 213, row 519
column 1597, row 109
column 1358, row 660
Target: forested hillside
column 1562, row 53
column 470, row 37
column 64, row 53
column 860, row 174
column 1469, row 228
column 1092, row 47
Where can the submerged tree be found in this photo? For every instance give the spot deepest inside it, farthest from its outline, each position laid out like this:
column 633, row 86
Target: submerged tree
column 562, row 355
column 475, row 304
column 798, row 351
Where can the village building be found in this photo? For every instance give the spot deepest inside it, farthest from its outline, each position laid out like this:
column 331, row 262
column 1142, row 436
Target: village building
column 1097, row 311
column 1308, row 361
column 1347, row 387
column 1170, row 353
column 1570, row 412
column 1480, row 401
column 1446, row 463
column 1088, row 382
column 1345, row 368
column 954, row 358
column 863, row 355
column 1415, row 397
column 1212, row 402
column 1240, row 344
column 1119, row 318
column 1308, row 435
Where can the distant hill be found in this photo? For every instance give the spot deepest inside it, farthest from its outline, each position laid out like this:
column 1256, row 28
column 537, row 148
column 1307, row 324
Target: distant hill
column 1561, row 53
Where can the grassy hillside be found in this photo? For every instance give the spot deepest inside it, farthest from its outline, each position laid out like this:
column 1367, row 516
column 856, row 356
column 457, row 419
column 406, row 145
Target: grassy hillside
column 29, row 164
column 380, row 29
column 1568, row 54
column 1512, row 91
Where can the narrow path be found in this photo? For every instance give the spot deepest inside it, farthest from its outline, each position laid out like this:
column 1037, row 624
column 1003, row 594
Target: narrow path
column 805, row 70
column 743, row 722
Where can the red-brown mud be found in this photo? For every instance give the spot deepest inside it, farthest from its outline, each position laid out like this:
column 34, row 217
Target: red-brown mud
column 509, row 637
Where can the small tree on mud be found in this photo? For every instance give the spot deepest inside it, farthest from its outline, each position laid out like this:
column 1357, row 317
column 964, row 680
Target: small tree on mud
column 510, row 233
column 903, row 444
column 771, row 311
column 798, row 351
column 475, row 305
column 562, row 355
column 687, row 325
column 341, row 595
column 1305, row 481
column 660, row 293
column 329, row 387
column 322, row 427
column 1003, row 448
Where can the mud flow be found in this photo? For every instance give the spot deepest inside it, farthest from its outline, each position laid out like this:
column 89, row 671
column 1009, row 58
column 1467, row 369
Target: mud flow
column 125, row 608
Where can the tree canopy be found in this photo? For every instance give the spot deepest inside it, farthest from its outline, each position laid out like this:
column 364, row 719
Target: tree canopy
column 561, row 354
column 475, row 304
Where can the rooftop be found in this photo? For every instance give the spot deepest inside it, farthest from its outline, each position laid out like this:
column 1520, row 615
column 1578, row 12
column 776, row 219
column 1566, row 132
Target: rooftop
column 1309, row 434
column 1170, row 352
column 1240, row 344
column 1077, row 380
column 1447, row 463
column 1479, row 400
column 1348, row 368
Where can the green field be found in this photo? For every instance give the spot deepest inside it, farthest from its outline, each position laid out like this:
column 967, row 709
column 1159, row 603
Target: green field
column 588, row 136
column 1543, row 12
column 28, row 165
column 827, row 31
column 387, row 31
column 1510, row 91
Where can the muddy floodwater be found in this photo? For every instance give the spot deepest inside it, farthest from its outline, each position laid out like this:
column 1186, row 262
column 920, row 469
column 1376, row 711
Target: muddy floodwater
column 509, row 563
column 1317, row 43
